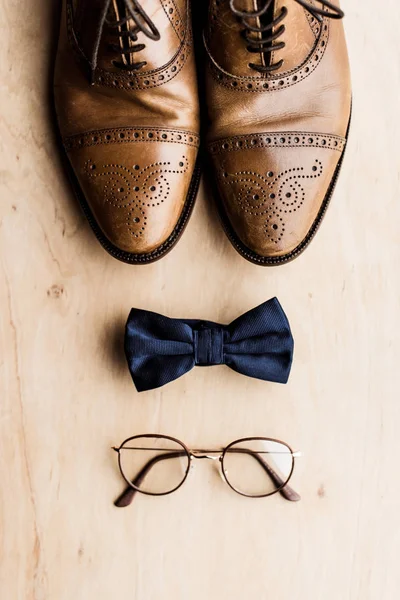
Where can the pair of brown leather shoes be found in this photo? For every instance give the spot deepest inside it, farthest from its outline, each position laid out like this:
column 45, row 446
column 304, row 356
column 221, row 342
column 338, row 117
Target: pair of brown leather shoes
column 279, row 100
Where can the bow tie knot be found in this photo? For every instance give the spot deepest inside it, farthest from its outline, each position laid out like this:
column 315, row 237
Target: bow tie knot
column 208, row 346
column 258, row 344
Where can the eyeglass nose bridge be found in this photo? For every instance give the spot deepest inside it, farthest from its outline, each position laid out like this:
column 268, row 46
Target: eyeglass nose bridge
column 201, row 454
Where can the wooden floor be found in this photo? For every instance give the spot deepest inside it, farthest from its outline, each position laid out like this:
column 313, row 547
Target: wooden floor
column 67, row 396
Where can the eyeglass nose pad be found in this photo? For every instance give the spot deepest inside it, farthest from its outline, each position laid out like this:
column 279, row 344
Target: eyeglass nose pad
column 220, row 471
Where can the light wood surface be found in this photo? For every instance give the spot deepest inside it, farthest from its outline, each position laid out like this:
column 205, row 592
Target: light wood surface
column 67, row 396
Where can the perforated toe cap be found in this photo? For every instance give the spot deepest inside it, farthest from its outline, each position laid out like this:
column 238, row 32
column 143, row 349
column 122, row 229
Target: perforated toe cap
column 273, row 188
column 135, row 182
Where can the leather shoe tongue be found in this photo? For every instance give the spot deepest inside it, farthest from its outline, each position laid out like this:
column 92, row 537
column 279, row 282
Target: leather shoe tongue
column 252, row 6
column 249, row 5
column 89, row 21
column 300, row 36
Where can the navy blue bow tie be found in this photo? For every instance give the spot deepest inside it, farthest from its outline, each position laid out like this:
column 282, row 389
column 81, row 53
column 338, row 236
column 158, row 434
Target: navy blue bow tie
column 159, row 349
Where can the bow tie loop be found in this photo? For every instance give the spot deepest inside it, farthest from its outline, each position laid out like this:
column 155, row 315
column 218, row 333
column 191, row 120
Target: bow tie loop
column 258, row 344
column 208, row 346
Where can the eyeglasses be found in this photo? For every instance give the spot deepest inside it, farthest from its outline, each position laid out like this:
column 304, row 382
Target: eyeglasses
column 158, row 465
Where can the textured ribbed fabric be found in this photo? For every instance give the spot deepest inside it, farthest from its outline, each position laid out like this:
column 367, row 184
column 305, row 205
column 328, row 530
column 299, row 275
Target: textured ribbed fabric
column 159, row 349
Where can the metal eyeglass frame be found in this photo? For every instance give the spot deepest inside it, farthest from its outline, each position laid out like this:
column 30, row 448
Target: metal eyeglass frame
column 128, row 494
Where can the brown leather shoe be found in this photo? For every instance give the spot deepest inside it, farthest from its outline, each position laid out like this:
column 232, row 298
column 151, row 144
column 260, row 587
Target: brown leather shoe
column 279, row 101
column 127, row 107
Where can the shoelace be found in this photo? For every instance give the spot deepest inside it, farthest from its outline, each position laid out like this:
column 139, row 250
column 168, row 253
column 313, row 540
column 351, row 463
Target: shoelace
column 266, row 45
column 143, row 24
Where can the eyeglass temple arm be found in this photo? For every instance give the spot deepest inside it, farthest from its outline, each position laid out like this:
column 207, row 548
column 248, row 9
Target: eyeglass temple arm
column 286, row 491
column 128, row 494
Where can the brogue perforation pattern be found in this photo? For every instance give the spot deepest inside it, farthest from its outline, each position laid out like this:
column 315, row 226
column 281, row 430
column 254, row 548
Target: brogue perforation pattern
column 271, row 196
column 141, row 80
column 287, row 139
column 137, row 190
column 315, row 25
column 276, row 82
column 145, row 80
column 124, row 135
column 213, row 14
column 172, row 12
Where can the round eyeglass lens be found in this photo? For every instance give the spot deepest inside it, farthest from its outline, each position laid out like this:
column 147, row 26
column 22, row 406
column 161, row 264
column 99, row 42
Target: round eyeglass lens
column 154, row 465
column 257, row 467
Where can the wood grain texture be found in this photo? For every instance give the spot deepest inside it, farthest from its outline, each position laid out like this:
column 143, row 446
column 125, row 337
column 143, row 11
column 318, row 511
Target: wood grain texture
column 67, row 396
